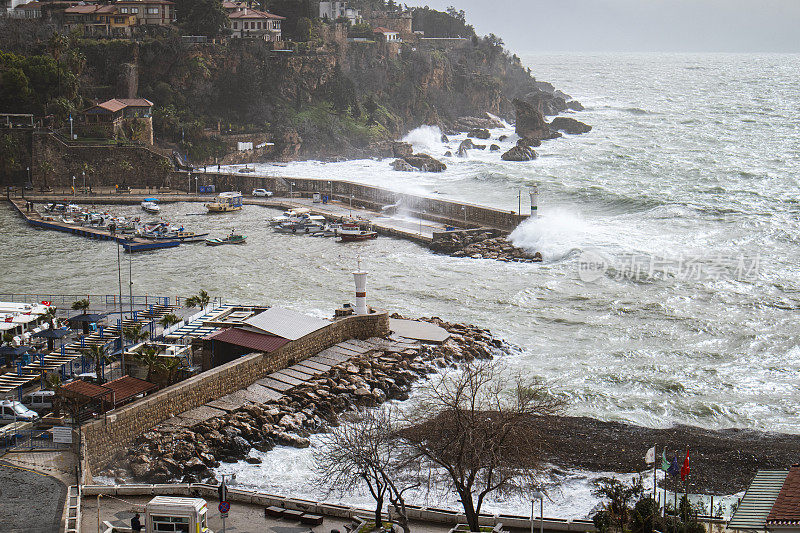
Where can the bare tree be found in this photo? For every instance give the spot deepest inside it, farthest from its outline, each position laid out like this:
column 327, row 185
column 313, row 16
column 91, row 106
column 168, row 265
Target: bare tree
column 364, row 450
column 477, row 432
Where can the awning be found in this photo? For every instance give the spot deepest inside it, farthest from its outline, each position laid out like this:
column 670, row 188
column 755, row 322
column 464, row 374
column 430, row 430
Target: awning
column 258, row 342
column 85, row 317
column 52, row 333
column 14, row 350
column 127, row 387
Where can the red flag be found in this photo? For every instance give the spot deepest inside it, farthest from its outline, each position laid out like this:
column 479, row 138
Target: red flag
column 45, row 302
column 9, row 319
column 685, row 467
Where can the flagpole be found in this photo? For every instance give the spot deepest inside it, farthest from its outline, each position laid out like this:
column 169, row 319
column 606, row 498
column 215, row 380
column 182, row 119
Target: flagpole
column 655, row 484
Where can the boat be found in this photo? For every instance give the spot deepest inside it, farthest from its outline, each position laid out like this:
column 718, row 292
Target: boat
column 230, row 239
column 225, row 202
column 295, row 215
column 354, row 233
column 150, row 205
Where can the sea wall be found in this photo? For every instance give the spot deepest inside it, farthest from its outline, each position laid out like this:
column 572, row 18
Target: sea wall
column 104, row 438
column 445, row 211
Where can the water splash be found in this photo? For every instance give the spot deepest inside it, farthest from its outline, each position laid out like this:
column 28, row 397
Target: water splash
column 426, row 139
column 557, row 234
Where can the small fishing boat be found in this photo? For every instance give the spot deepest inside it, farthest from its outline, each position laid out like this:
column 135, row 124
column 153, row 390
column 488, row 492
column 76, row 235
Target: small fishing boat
column 150, row 205
column 363, row 235
column 230, row 239
column 295, row 215
column 225, row 202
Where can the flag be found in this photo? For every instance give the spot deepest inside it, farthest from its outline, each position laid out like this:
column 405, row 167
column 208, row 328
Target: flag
column 45, row 302
column 674, row 469
column 650, row 456
column 685, row 467
column 664, row 461
column 9, row 319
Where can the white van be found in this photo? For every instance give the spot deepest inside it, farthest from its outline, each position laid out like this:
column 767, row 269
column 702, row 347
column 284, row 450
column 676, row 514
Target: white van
column 184, row 515
column 39, row 401
column 12, row 411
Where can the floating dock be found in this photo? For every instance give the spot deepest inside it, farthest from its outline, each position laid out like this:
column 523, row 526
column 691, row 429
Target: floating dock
column 129, row 243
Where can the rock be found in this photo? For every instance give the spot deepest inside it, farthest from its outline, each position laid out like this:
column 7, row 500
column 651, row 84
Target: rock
column 569, row 125
column 479, row 146
column 253, row 460
column 238, row 446
column 445, row 139
column 502, row 138
column 529, row 142
column 402, row 166
column 448, row 154
column 425, row 163
column 575, row 105
column 494, row 148
column 401, row 149
column 465, row 145
column 287, row 439
column 194, row 465
column 530, row 121
column 471, row 123
column 479, row 133
column 519, row 153
column 287, row 145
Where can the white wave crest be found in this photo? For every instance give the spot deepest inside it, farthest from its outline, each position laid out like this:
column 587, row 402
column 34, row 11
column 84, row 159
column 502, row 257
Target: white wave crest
column 425, row 139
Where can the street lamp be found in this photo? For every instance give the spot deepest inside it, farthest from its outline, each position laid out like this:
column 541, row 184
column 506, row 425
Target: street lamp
column 351, row 206
column 189, row 189
column 84, row 182
column 196, row 190
column 330, row 185
column 291, row 189
column 73, row 186
column 464, row 209
column 537, row 495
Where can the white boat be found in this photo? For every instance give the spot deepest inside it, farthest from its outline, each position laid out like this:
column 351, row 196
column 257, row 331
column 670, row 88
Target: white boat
column 225, row 202
column 295, row 215
column 150, row 206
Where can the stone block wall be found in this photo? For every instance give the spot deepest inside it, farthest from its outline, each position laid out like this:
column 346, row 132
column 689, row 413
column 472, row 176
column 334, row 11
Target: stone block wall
column 446, row 211
column 104, row 438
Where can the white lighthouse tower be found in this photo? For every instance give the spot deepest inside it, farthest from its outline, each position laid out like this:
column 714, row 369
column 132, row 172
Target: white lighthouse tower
column 361, row 290
column 534, row 192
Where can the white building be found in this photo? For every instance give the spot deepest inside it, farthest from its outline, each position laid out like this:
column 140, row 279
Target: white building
column 7, row 6
column 334, row 10
column 254, row 24
column 390, row 36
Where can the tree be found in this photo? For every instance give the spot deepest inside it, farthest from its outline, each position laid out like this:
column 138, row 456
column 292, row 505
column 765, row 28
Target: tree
column 201, row 300
column 100, row 356
column 170, row 366
column 365, row 450
column 303, row 29
column 135, row 334
column 81, row 305
column 149, row 357
column 619, row 496
column 170, row 319
column 479, row 429
column 205, row 17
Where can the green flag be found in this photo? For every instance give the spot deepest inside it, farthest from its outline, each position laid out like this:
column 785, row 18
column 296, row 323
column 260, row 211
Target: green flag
column 664, row 461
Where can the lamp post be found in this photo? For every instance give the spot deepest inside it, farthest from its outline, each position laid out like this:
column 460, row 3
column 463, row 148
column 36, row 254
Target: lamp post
column 196, row 189
column 330, row 185
column 84, row 182
column 351, row 206
column 537, row 495
column 519, row 201
column 291, row 189
column 464, row 209
column 189, row 189
column 71, row 137
column 73, row 186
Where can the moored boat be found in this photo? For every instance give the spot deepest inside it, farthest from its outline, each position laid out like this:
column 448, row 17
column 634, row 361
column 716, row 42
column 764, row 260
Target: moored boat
column 225, row 202
column 230, row 239
column 150, row 205
column 354, row 233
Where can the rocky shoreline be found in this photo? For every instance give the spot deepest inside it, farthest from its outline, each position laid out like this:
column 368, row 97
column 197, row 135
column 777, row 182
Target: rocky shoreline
column 483, row 244
column 723, row 462
column 167, row 453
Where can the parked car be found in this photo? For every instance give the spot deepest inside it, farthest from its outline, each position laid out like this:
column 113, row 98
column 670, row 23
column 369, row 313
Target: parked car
column 11, row 411
column 39, row 401
column 262, row 192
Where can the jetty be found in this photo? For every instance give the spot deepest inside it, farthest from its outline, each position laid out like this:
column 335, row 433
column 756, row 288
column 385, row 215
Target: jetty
column 129, row 242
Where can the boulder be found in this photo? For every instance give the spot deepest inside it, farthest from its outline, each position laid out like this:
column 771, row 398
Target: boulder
column 401, row 166
column 494, row 148
column 448, row 154
column 445, row 139
column 287, row 145
column 465, row 145
column 529, row 142
column 575, row 105
column 401, row 149
column 425, row 163
column 479, row 133
column 471, row 123
column 502, row 138
column 569, row 125
column 519, row 153
column 530, row 121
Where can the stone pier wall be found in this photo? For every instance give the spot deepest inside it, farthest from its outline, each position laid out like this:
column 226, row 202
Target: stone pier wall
column 446, row 211
column 106, row 437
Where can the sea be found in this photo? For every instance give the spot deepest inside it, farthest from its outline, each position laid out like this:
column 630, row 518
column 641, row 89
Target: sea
column 669, row 291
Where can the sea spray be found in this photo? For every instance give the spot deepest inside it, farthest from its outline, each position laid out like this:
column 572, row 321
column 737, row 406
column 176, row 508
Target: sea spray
column 426, row 139
column 556, row 234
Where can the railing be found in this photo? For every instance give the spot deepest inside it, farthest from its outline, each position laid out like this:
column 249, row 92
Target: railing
column 105, row 300
column 72, row 524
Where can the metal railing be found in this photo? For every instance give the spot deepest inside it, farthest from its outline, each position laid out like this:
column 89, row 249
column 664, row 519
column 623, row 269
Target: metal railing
column 61, row 300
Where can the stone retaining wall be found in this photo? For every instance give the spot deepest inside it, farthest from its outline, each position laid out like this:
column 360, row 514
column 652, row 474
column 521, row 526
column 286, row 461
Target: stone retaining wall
column 104, row 438
column 454, row 213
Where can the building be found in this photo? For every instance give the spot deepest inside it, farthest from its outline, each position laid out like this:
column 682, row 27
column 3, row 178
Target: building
column 31, row 10
column 336, row 10
column 99, row 19
column 771, row 503
column 7, row 7
column 254, row 24
column 387, row 35
column 232, row 7
column 149, row 12
column 120, row 117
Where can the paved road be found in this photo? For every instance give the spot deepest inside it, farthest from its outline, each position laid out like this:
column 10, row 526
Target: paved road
column 30, row 502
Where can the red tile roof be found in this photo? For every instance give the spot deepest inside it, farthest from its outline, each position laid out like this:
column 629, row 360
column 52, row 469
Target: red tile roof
column 127, row 387
column 381, row 29
column 250, row 339
column 30, row 5
column 81, row 10
column 254, row 14
column 135, row 102
column 786, row 509
column 112, row 105
column 86, row 389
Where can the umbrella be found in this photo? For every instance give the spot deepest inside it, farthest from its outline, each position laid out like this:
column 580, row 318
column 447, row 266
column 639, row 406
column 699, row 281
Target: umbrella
column 51, row 334
column 85, row 319
column 13, row 351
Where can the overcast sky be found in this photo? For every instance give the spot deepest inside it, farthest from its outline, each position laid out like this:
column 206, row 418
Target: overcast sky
column 635, row 25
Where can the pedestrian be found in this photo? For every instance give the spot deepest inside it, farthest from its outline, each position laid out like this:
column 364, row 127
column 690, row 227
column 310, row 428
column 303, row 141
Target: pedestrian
column 136, row 525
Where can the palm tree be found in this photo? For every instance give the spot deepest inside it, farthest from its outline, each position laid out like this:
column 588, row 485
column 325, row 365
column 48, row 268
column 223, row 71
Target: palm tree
column 200, row 300
column 81, row 305
column 100, row 356
column 170, row 365
column 52, row 381
column 170, row 319
column 50, row 315
column 149, row 357
column 8, row 339
column 135, row 334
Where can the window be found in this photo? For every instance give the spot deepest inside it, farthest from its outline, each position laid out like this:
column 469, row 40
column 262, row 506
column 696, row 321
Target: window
column 134, row 10
column 235, row 25
column 152, row 11
column 171, row 523
column 123, row 10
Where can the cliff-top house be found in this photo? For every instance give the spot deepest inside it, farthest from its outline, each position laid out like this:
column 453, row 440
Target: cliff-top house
column 131, row 118
column 335, row 10
column 98, row 19
column 387, row 35
column 247, row 23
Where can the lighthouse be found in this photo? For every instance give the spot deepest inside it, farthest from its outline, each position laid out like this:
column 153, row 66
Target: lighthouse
column 361, row 290
column 534, row 193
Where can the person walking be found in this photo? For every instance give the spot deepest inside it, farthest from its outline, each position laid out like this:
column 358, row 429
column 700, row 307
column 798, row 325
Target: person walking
column 136, row 525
